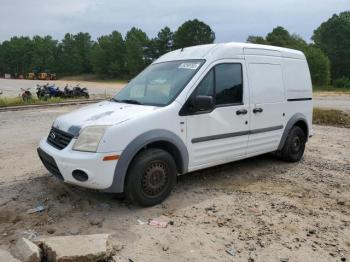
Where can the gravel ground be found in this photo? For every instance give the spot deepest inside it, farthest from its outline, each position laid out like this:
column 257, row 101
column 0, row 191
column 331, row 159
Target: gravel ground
column 12, row 87
column 259, row 209
column 332, row 100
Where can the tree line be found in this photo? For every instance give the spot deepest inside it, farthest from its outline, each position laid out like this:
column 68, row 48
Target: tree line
column 115, row 56
column 112, row 56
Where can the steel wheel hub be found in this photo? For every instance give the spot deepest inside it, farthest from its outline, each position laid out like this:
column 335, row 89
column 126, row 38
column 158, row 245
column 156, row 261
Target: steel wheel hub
column 296, row 144
column 155, row 178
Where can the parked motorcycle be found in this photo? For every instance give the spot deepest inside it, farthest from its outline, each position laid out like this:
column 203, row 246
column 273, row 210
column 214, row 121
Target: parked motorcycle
column 47, row 91
column 67, row 93
column 80, row 92
column 26, row 94
column 55, row 91
column 42, row 92
column 75, row 92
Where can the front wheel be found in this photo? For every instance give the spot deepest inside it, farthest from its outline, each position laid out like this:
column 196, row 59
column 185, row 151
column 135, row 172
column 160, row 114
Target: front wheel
column 294, row 147
column 151, row 177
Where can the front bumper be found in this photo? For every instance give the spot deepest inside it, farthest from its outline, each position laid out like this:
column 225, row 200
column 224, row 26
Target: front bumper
column 62, row 163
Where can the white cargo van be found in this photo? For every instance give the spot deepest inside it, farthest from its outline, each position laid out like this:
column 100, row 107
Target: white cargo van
column 191, row 109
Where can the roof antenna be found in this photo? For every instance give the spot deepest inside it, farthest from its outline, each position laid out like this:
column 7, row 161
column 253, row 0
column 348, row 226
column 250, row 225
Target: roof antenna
column 182, row 49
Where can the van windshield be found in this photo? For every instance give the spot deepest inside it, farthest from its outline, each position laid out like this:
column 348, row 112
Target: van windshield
column 159, row 84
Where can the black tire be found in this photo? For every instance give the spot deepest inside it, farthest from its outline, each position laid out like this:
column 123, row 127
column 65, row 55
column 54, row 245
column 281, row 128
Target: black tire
column 151, row 177
column 294, row 146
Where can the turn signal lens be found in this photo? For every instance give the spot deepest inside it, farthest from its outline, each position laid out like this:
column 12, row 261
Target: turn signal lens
column 110, row 158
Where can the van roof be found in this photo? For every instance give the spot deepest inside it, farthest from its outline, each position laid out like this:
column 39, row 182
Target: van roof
column 229, row 50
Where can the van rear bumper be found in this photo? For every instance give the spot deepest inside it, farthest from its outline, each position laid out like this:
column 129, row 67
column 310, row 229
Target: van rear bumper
column 62, row 164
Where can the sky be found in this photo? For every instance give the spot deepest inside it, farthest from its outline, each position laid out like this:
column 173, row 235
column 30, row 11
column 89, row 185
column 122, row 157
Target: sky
column 231, row 20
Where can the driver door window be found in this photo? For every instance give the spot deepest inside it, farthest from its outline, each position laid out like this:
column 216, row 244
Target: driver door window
column 224, row 82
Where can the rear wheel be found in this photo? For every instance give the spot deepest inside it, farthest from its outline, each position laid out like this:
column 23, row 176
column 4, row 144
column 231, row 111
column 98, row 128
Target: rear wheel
column 294, row 147
column 151, row 177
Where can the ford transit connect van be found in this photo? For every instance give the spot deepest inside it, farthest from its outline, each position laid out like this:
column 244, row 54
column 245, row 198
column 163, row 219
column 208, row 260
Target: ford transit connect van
column 191, row 109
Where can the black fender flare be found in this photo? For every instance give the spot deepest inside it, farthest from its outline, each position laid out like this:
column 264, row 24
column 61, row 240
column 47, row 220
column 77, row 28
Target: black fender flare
column 292, row 121
column 135, row 146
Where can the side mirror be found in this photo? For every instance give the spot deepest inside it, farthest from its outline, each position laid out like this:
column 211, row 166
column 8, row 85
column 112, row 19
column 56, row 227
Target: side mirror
column 203, row 103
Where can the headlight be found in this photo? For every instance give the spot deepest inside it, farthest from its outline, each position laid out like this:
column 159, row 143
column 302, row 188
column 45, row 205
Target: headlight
column 89, row 138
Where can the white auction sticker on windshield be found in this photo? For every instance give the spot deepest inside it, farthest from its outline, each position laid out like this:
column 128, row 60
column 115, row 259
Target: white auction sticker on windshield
column 191, row 66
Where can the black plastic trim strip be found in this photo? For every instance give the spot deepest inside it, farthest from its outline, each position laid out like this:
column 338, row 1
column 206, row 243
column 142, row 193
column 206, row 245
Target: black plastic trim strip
column 267, row 129
column 50, row 163
column 235, row 134
column 299, row 99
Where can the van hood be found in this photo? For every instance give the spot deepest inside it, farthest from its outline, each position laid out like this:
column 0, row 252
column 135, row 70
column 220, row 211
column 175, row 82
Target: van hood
column 103, row 113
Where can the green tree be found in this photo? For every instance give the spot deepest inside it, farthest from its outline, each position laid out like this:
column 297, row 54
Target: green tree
column 74, row 54
column 164, row 41
column 136, row 43
column 108, row 55
column 280, row 37
column 318, row 62
column 17, row 55
column 193, row 32
column 43, row 54
column 319, row 65
column 68, row 58
column 83, row 44
column 333, row 37
column 2, row 62
column 256, row 40
column 161, row 44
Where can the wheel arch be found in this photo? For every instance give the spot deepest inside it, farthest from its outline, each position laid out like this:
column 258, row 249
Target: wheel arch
column 172, row 149
column 158, row 138
column 296, row 120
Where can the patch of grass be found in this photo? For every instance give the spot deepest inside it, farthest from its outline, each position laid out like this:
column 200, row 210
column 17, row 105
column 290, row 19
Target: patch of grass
column 331, row 117
column 331, row 89
column 17, row 101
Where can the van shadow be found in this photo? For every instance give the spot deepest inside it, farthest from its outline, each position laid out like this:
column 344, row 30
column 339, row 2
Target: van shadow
column 47, row 189
column 227, row 178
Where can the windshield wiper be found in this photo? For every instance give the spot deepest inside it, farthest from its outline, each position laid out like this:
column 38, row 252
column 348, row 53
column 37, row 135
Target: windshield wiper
column 127, row 101
column 115, row 100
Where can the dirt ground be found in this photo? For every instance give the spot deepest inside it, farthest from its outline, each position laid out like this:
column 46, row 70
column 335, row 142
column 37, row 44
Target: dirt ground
column 12, row 87
column 259, row 209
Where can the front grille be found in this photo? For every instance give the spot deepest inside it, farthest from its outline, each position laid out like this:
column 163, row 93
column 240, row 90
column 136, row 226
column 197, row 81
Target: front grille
column 58, row 138
column 50, row 164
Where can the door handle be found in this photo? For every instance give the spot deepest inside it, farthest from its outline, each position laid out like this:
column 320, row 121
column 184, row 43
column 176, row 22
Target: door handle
column 241, row 112
column 257, row 110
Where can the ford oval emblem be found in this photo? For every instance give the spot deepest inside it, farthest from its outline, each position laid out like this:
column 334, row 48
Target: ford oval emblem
column 52, row 135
